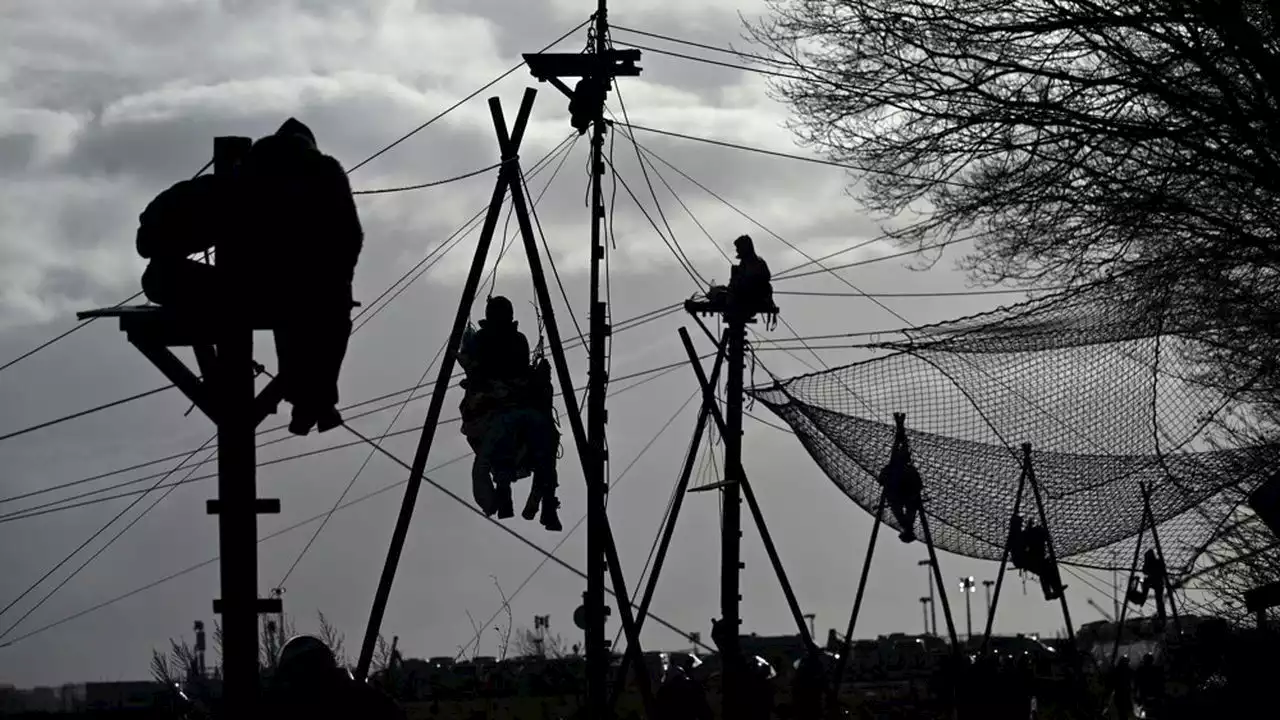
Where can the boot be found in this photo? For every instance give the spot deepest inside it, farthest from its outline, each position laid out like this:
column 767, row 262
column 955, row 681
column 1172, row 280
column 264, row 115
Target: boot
column 502, row 500
column 328, row 419
column 482, row 491
column 302, row 421
column 531, row 505
column 551, row 514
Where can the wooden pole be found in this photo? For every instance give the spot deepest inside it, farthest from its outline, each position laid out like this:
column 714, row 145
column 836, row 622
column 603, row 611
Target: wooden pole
column 668, row 531
column 597, row 383
column 994, row 600
column 510, row 147
column 236, row 504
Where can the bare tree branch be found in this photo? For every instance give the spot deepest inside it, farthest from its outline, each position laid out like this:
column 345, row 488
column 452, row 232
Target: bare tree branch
column 1135, row 142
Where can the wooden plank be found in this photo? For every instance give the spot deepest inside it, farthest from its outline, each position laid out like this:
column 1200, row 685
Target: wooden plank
column 549, row 65
column 168, row 327
column 178, row 374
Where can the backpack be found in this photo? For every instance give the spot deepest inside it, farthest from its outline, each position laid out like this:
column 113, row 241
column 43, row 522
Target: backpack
column 184, row 219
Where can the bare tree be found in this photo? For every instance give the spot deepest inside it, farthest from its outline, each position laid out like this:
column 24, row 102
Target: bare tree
column 1134, row 143
column 276, row 631
column 1073, row 139
column 334, row 639
column 503, row 631
column 529, row 643
column 175, row 665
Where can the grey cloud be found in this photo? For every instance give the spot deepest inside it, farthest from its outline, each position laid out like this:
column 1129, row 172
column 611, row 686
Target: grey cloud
column 160, row 94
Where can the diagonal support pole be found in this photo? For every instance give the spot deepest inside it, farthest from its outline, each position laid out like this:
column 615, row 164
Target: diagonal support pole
column 937, row 576
column 1004, row 559
column 179, row 374
column 1044, row 522
column 507, row 177
column 587, row 454
column 708, row 399
column 1155, row 538
column 900, row 421
column 686, row 472
column 846, row 648
column 1124, row 606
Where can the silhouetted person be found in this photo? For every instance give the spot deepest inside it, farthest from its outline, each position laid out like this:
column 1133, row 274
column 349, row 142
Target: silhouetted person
column 541, row 442
column 508, row 417
column 750, row 282
column 1154, row 578
column 586, row 103
column 497, row 365
column 308, row 683
column 1148, row 683
column 681, row 697
column 809, row 687
column 754, row 699
column 1122, row 689
column 500, row 352
column 306, row 237
column 1036, row 542
column 902, row 489
column 186, row 219
column 1017, row 544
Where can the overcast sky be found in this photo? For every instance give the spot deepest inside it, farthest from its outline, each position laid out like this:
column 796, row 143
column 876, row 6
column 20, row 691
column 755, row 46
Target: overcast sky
column 104, row 104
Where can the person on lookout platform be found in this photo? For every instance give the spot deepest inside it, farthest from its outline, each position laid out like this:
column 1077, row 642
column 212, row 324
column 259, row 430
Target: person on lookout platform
column 750, row 289
column 292, row 205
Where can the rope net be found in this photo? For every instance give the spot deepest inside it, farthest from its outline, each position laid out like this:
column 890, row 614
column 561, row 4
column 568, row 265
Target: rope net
column 1109, row 396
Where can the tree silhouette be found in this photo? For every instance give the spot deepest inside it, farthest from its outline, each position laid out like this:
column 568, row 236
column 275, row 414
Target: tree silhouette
column 1130, row 142
column 177, row 663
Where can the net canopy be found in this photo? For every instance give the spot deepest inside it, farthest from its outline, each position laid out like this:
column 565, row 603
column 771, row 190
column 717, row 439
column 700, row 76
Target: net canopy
column 1109, row 396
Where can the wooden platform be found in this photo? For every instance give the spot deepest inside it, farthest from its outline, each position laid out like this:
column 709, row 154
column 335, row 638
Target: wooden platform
column 168, row 327
column 544, row 66
column 721, row 307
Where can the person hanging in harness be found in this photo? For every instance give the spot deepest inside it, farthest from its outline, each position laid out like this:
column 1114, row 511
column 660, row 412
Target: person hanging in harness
column 540, row 447
column 1029, row 552
column 507, row 417
column 902, row 489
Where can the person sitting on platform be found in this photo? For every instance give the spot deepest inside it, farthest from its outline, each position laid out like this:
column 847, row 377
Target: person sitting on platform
column 750, row 289
column 540, row 445
column 902, row 489
column 750, row 282
column 305, row 231
column 184, row 220
column 507, row 417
